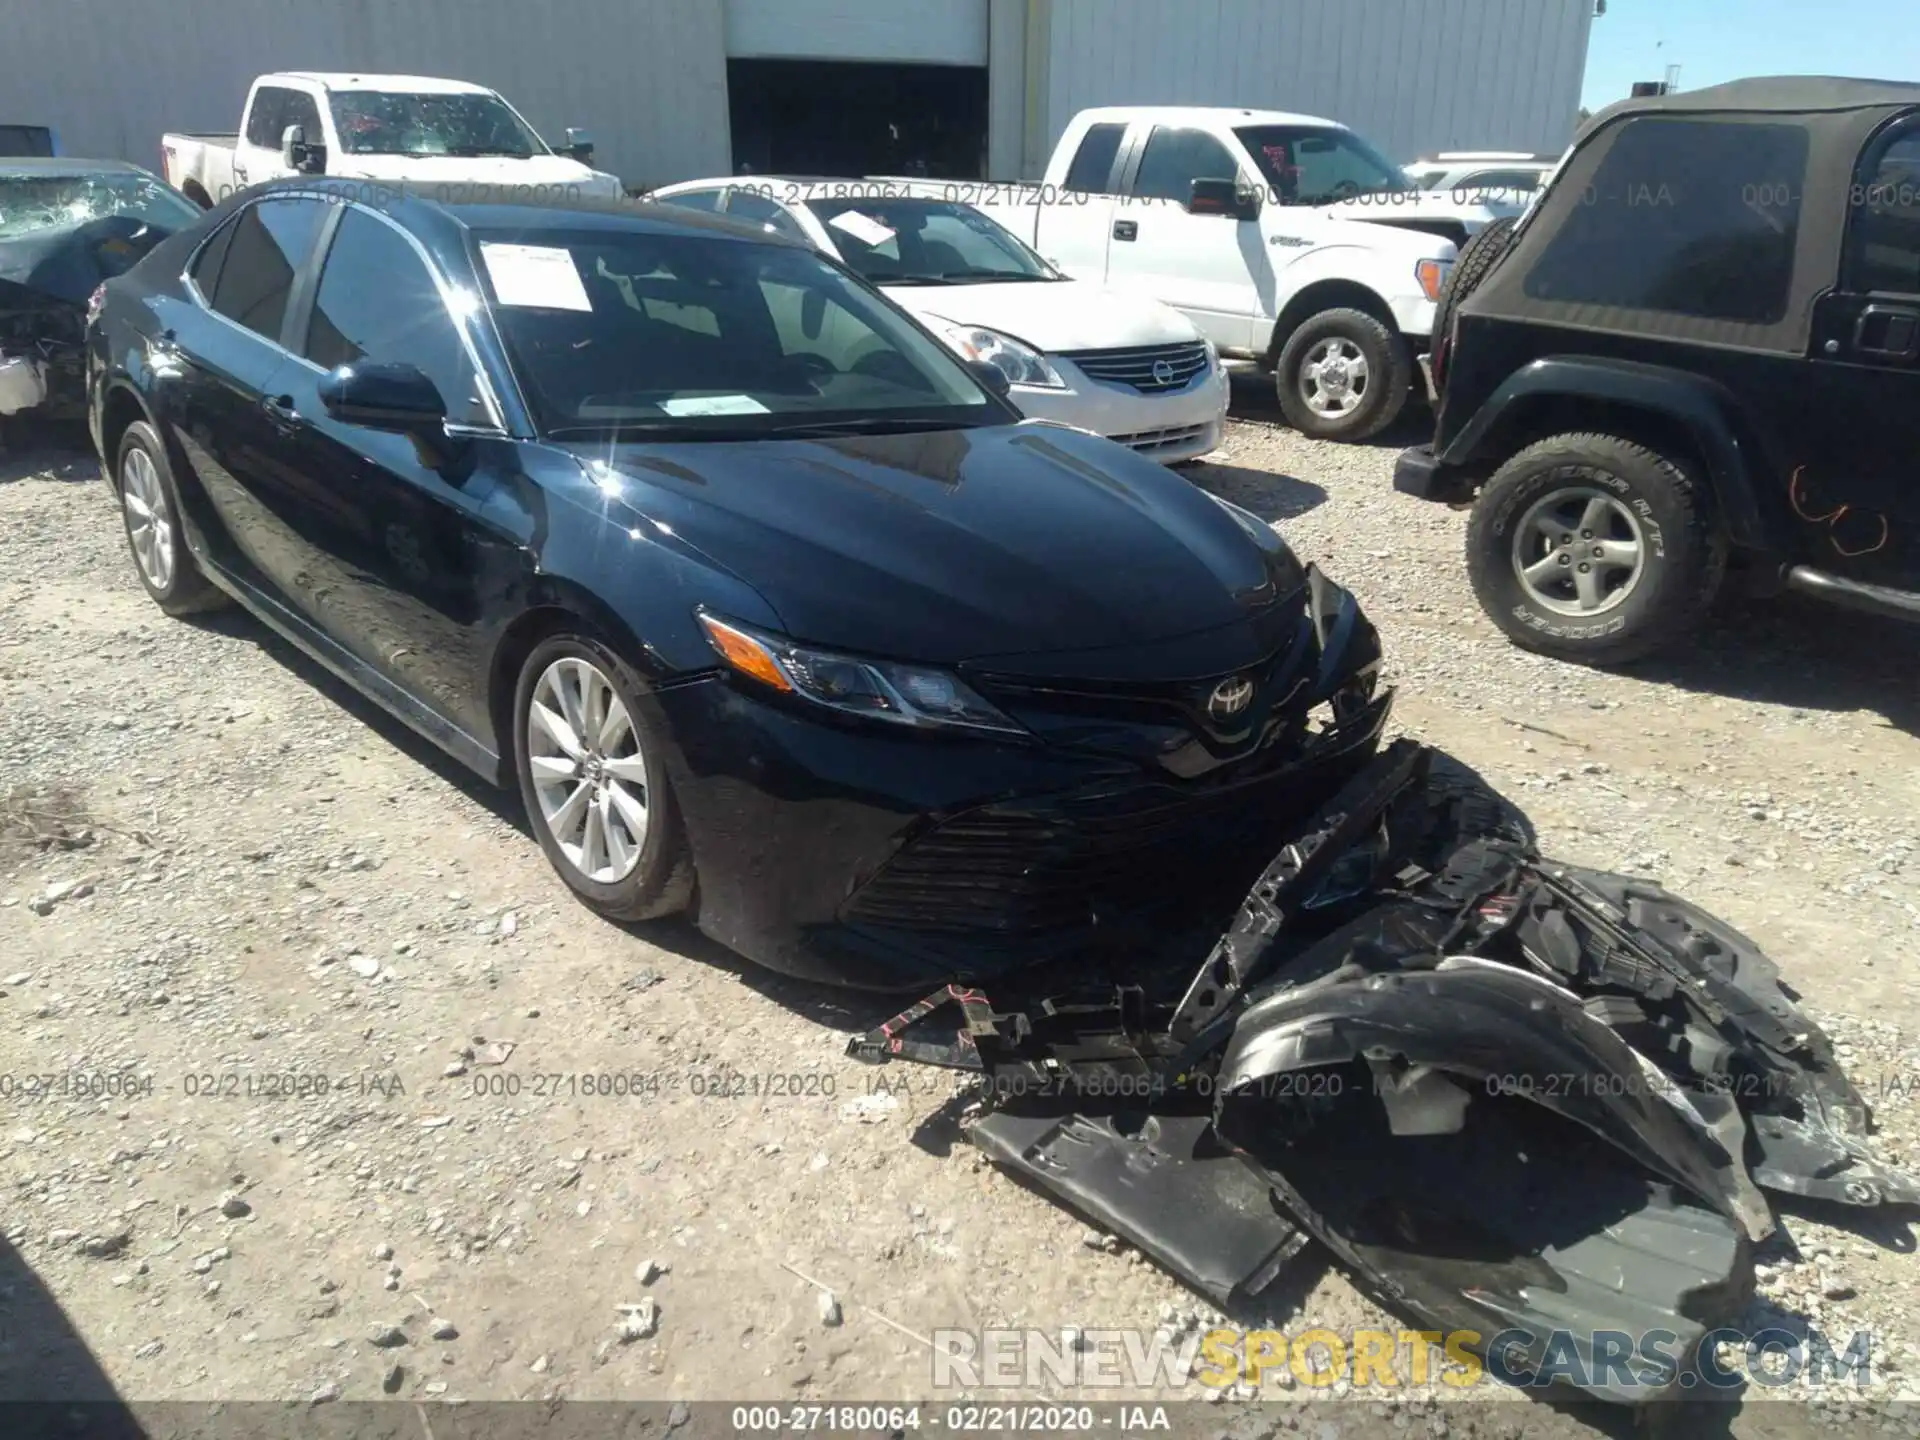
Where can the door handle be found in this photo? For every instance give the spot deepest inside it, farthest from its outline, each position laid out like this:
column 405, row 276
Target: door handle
column 280, row 412
column 240, row 174
column 1887, row 332
column 1126, row 229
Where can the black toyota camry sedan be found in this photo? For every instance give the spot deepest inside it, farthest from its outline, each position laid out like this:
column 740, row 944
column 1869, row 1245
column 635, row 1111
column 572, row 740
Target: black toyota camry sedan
column 773, row 609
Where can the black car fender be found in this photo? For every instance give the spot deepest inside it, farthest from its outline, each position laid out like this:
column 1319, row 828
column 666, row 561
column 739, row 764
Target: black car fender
column 1703, row 408
column 1506, row 1032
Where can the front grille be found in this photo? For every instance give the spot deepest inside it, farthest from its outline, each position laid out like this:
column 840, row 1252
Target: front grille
column 1149, row 442
column 1135, row 365
column 1048, row 867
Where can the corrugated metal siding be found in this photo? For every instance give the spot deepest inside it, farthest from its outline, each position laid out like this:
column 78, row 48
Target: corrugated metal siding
column 647, row 77
column 933, row 32
column 1411, row 75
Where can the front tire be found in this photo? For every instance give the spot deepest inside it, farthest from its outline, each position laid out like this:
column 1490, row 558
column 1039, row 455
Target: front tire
column 1342, row 375
column 151, row 516
column 594, row 781
column 1593, row 549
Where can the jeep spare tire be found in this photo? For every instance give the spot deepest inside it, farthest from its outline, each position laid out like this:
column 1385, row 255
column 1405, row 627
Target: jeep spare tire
column 1593, row 549
column 1471, row 266
column 1343, row 375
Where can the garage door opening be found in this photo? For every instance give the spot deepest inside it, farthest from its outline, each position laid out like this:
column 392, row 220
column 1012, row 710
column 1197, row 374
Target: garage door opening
column 823, row 117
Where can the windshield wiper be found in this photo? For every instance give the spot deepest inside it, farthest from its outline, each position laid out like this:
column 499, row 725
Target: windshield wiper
column 862, row 425
column 667, row 430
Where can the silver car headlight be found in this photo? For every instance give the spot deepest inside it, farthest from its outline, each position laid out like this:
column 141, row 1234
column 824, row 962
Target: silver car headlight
column 1020, row 362
column 877, row 689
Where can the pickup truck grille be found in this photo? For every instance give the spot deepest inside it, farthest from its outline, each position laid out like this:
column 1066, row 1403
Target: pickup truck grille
column 1149, row 369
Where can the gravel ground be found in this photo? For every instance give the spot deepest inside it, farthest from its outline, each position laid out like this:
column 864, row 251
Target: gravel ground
column 224, row 874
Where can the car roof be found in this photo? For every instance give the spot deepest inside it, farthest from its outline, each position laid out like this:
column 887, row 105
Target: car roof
column 420, row 207
column 1782, row 94
column 352, row 80
column 59, row 166
column 1197, row 114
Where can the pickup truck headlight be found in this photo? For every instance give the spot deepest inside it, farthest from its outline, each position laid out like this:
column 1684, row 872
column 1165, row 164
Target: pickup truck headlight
column 1017, row 360
column 1432, row 275
column 878, row 689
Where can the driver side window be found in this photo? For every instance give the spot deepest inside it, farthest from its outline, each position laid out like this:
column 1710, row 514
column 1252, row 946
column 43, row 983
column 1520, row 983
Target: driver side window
column 377, row 301
column 1886, row 221
column 1175, row 158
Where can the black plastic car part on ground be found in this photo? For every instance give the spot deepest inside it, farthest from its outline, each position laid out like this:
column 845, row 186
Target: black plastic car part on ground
column 1703, row 341
column 1513, row 1097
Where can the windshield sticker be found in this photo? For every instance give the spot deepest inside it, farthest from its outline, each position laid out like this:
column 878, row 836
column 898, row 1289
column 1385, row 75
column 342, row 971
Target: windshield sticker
column 864, row 228
column 542, row 277
column 713, row 405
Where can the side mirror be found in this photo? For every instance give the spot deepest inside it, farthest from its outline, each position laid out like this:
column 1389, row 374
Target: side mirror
column 384, row 397
column 1223, row 197
column 299, row 155
column 991, row 376
column 579, row 145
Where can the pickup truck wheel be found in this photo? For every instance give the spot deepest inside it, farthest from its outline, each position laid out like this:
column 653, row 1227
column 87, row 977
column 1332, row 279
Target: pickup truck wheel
column 151, row 516
column 1343, row 376
column 1593, row 549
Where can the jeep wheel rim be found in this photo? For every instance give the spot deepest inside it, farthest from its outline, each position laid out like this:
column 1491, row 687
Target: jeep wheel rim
column 148, row 525
column 1334, row 378
column 588, row 771
column 1579, row 551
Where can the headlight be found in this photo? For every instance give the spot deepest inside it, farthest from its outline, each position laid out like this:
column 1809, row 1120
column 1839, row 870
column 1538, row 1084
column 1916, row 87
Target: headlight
column 1432, row 275
column 1017, row 360
column 877, row 689
column 1213, row 354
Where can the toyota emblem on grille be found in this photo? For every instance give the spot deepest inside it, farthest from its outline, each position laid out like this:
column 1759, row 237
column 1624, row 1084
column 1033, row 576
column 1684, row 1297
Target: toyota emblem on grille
column 1230, row 697
column 1162, row 373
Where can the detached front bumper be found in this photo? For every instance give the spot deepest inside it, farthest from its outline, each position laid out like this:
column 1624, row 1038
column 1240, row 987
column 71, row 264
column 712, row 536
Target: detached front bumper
column 23, row 385
column 1170, row 426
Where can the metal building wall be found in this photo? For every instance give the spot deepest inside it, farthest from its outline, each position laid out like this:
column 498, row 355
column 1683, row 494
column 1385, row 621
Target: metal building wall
column 1411, row 75
column 647, row 77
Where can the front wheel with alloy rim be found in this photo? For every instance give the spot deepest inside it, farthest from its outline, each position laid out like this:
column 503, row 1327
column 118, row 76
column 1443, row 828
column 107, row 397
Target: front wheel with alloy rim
column 160, row 555
column 1342, row 375
column 1593, row 549
column 594, row 783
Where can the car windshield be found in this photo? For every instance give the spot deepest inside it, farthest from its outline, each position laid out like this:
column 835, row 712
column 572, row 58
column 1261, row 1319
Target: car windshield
column 906, row 241
column 33, row 203
column 387, row 122
column 702, row 337
column 1316, row 165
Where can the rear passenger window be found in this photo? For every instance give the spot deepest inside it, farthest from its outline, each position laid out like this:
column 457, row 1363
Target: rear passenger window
column 1689, row 217
column 695, row 199
column 1092, row 170
column 1886, row 242
column 745, row 205
column 271, row 242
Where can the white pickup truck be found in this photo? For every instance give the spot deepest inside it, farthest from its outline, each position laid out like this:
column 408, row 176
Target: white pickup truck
column 1288, row 240
column 398, row 128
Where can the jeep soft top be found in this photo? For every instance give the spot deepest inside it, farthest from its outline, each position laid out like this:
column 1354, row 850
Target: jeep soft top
column 1701, row 345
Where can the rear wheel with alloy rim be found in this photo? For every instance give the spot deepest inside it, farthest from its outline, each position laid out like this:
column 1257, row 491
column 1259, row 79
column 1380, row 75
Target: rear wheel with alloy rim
column 1343, row 376
column 160, row 555
column 593, row 781
column 1595, row 549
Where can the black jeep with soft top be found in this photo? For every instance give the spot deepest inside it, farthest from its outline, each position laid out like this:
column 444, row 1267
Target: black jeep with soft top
column 1698, row 351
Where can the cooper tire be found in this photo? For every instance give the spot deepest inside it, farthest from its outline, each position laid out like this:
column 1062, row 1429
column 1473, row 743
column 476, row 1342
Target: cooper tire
column 1664, row 504
column 660, row 881
column 150, row 515
column 1389, row 374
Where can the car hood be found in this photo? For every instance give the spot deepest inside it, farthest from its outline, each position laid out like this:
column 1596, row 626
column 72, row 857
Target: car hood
column 1053, row 315
column 554, row 171
column 67, row 263
column 968, row 544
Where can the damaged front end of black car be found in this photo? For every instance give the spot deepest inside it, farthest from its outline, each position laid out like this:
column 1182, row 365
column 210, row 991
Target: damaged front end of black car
column 1515, row 1099
column 66, row 228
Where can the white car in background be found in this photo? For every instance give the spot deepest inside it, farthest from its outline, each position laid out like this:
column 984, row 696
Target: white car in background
column 1511, row 175
column 1122, row 366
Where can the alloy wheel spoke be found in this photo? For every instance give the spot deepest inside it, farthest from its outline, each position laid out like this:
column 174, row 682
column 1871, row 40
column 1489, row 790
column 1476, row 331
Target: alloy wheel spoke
column 552, row 769
column 616, row 727
column 1597, row 518
column 565, row 820
column 613, row 833
column 593, row 840
column 631, row 810
column 1586, row 584
column 631, row 768
column 558, row 730
column 1544, row 571
column 1618, row 554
